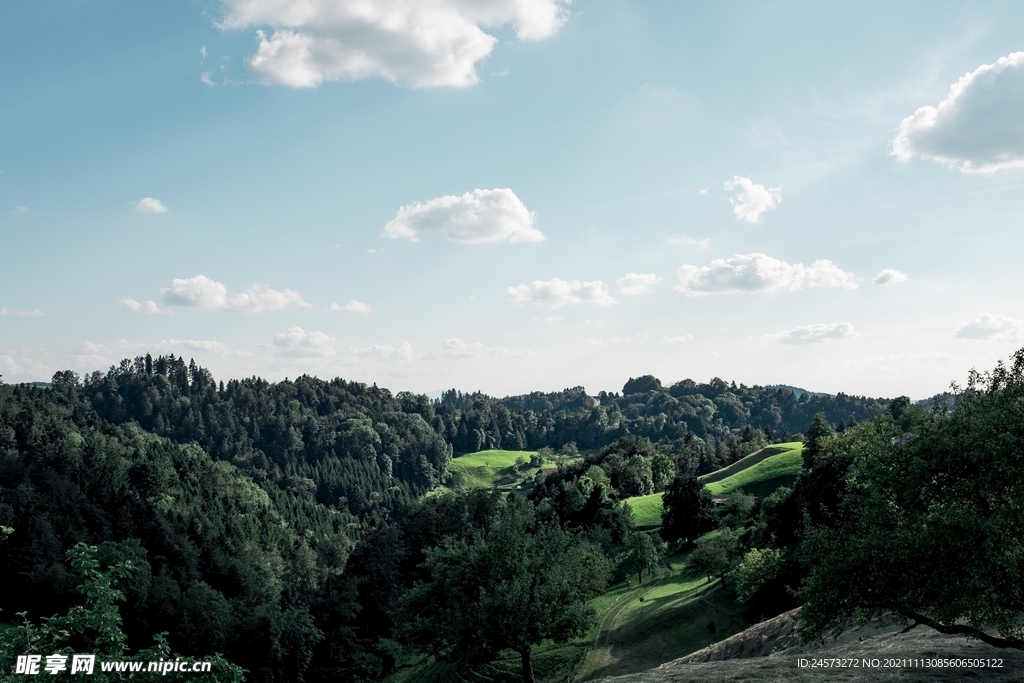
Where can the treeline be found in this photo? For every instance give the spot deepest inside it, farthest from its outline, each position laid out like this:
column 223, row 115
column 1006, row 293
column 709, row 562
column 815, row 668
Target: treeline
column 714, row 422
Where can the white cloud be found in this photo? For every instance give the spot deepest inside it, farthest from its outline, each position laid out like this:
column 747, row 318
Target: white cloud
column 753, row 199
column 354, row 306
column 20, row 210
column 978, row 128
column 386, row 353
column 298, row 343
column 991, row 326
column 689, row 241
column 814, row 334
column 134, row 306
column 423, row 44
column 195, row 291
column 890, row 276
column 203, row 292
column 759, row 273
column 677, row 339
column 477, row 217
column 31, row 313
column 456, row 348
column 556, row 292
column 17, row 364
column 205, row 78
column 150, row 205
column 637, row 283
column 259, row 298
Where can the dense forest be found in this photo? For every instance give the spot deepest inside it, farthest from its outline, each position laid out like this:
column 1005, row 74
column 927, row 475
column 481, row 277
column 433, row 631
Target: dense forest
column 286, row 525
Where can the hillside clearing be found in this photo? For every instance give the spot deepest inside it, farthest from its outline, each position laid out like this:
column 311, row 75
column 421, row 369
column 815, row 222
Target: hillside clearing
column 494, row 469
column 764, row 476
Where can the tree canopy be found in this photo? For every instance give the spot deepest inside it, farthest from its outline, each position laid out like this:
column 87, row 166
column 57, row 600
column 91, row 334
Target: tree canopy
column 930, row 527
column 509, row 586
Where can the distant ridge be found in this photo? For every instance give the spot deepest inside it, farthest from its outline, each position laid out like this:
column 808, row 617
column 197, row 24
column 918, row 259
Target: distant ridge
column 797, row 391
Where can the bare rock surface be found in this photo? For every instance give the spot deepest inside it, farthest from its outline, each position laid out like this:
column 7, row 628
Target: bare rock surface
column 771, row 652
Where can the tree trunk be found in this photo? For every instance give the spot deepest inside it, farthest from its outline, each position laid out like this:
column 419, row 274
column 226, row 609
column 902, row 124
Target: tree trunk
column 527, row 665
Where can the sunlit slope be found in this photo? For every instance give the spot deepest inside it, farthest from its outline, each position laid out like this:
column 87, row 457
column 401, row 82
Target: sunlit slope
column 646, row 510
column 751, row 460
column 758, row 474
column 492, row 469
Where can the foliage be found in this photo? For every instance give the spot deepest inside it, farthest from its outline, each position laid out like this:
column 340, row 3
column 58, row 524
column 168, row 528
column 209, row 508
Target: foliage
column 95, row 628
column 688, row 511
column 716, row 554
column 508, row 587
column 759, row 567
column 642, row 552
column 928, row 526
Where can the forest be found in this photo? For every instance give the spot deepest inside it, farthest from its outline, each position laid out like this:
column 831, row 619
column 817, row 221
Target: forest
column 311, row 530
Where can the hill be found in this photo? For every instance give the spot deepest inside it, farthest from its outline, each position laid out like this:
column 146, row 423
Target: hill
column 497, row 469
column 769, row 653
column 759, row 474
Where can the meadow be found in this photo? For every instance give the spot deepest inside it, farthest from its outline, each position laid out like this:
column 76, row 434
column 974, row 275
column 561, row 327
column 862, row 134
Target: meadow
column 494, row 469
column 758, row 474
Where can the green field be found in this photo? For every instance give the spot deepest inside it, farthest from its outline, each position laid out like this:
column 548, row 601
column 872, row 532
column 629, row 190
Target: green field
column 493, row 470
column 648, row 625
column 758, row 474
column 646, row 510
column 750, row 461
column 765, row 475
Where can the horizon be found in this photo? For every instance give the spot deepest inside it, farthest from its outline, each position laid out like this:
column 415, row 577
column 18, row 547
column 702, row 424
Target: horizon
column 515, row 197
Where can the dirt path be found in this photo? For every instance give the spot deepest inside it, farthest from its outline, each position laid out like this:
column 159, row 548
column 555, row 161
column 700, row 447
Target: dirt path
column 599, row 656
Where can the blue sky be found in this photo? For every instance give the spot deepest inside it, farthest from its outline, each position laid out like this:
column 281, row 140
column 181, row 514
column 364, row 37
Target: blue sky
column 514, row 196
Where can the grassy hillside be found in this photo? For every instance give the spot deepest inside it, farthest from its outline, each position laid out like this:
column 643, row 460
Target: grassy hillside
column 763, row 476
column 493, row 469
column 758, row 474
column 646, row 510
column 751, row 460
column 669, row 617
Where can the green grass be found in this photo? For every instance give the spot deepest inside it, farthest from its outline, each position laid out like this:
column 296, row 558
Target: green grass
column 751, row 460
column 493, row 470
column 671, row 621
column 646, row 510
column 764, row 476
column 758, row 474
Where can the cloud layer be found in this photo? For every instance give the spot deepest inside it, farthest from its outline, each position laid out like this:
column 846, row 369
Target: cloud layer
column 759, row 273
column 890, row 276
column 259, row 298
column 978, row 128
column 555, row 292
column 202, row 292
column 31, row 313
column 354, row 306
column 297, row 343
column 814, row 334
column 753, row 199
column 133, row 306
column 477, row 217
column 990, row 326
column 150, row 205
column 637, row 283
column 423, row 44
column 199, row 291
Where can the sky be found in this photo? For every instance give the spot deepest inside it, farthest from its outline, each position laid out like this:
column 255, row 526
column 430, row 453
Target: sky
column 515, row 195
